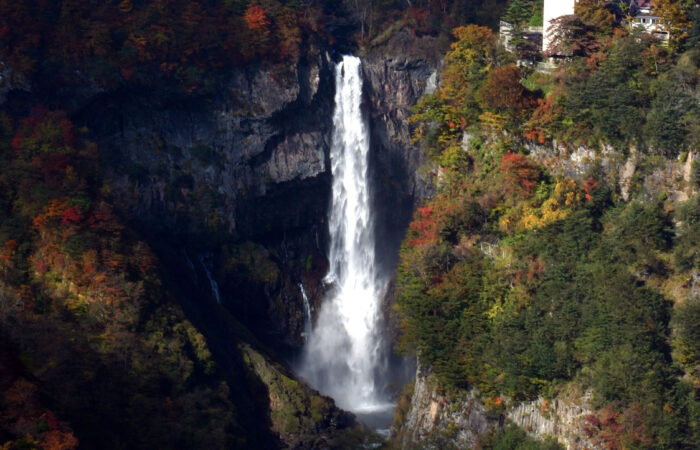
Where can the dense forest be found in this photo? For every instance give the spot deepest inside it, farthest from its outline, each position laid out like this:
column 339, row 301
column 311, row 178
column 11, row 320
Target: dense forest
column 524, row 280
column 185, row 44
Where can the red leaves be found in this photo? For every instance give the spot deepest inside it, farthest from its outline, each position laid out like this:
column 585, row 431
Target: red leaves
column 417, row 19
column 535, row 135
column 71, row 215
column 521, row 173
column 589, row 186
column 17, row 143
column 8, row 250
column 543, row 117
column 425, row 226
column 617, row 429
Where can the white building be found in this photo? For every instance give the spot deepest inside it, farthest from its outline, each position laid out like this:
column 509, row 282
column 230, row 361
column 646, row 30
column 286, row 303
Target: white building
column 643, row 16
column 554, row 9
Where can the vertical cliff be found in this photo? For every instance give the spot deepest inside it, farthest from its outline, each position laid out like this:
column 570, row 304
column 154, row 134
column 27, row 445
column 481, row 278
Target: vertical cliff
column 397, row 73
column 246, row 166
column 460, row 419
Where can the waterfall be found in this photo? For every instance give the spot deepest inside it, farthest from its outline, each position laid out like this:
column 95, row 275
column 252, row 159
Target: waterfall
column 307, row 313
column 431, row 83
column 213, row 285
column 344, row 353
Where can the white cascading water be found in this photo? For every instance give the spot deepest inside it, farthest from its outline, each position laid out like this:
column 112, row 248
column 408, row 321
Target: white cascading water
column 307, row 313
column 343, row 353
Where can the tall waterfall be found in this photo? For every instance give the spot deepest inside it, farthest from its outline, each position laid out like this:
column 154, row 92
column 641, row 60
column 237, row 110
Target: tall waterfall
column 343, row 353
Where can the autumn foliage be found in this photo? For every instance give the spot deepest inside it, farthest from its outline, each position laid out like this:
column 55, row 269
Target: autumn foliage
column 424, row 227
column 256, row 18
column 85, row 296
column 504, row 93
column 23, row 414
column 521, row 173
column 149, row 42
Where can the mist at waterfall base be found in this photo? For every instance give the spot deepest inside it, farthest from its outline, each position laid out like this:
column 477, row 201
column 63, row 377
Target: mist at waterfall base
column 345, row 356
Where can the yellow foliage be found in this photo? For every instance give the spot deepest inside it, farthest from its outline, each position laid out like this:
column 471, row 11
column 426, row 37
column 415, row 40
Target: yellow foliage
column 530, row 217
column 492, row 121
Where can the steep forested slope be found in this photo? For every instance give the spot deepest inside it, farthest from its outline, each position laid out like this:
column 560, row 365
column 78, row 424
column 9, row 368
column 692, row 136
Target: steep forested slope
column 558, row 257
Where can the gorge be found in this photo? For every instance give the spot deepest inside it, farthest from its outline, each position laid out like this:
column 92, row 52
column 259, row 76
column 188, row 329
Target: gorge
column 218, row 230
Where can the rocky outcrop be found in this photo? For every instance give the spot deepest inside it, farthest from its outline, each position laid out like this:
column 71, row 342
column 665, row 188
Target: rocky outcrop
column 435, row 419
column 457, row 419
column 564, row 419
column 10, row 80
column 301, row 417
column 670, row 178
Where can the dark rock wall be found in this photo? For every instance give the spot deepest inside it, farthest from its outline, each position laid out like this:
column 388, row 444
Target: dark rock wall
column 251, row 162
column 396, row 75
column 175, row 159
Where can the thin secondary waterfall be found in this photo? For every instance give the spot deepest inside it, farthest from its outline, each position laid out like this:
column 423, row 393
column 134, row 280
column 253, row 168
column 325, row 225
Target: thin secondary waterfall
column 343, row 353
column 212, row 282
column 307, row 312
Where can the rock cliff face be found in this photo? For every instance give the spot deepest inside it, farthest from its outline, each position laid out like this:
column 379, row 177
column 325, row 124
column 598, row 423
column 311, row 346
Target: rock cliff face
column 266, row 127
column 396, row 75
column 457, row 420
column 250, row 162
column 435, row 420
column 671, row 178
column 564, row 419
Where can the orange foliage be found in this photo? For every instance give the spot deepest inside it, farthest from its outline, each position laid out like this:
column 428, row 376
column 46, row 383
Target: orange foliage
column 59, row 440
column 544, row 116
column 256, row 18
column 22, row 411
column 92, row 269
column 589, row 186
